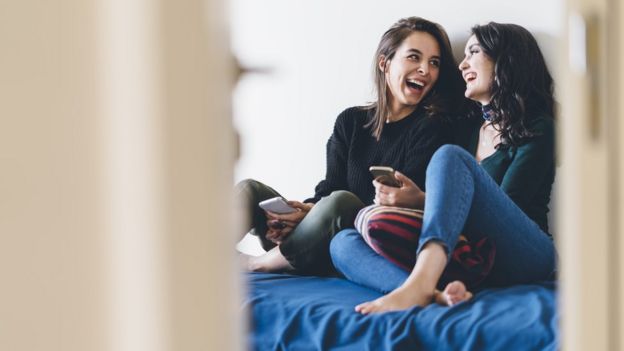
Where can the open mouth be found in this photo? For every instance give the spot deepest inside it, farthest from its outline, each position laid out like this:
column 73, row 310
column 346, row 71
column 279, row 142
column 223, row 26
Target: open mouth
column 415, row 84
column 469, row 77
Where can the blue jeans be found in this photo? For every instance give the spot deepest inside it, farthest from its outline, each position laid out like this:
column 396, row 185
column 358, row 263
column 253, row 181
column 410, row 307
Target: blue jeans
column 461, row 198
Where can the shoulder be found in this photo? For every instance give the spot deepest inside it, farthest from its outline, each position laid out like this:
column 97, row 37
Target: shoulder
column 543, row 129
column 543, row 139
column 542, row 125
column 355, row 114
column 354, row 117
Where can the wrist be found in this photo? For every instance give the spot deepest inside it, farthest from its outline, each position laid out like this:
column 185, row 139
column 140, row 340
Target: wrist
column 420, row 200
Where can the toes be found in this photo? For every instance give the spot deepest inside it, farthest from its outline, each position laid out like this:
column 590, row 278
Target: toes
column 455, row 288
column 363, row 308
column 368, row 307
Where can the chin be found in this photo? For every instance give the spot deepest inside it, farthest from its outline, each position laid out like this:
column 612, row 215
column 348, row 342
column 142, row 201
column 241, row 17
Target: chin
column 472, row 95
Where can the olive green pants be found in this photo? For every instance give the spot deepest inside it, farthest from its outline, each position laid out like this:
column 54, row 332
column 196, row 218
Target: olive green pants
column 307, row 247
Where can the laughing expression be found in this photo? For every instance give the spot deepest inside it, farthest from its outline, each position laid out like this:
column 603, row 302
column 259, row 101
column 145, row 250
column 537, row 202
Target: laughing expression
column 412, row 72
column 478, row 71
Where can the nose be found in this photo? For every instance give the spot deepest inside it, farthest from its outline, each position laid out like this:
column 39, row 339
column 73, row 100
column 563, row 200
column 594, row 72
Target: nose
column 463, row 65
column 423, row 68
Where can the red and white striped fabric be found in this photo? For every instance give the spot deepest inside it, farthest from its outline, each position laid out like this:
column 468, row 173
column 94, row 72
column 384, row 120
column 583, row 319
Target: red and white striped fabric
column 393, row 232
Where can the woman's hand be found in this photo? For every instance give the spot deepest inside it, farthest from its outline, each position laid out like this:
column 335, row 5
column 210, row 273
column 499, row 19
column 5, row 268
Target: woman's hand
column 281, row 225
column 408, row 195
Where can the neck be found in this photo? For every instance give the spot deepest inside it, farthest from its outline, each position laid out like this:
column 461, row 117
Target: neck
column 398, row 112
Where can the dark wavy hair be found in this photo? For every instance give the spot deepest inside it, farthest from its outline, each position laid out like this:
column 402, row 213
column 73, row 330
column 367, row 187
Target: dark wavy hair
column 446, row 96
column 523, row 87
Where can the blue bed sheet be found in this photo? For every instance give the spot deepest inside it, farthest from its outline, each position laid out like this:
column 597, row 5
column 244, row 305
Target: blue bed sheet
column 291, row 312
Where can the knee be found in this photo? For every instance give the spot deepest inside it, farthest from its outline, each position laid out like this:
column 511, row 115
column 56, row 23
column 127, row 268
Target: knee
column 342, row 201
column 247, row 185
column 340, row 247
column 449, row 152
column 448, row 156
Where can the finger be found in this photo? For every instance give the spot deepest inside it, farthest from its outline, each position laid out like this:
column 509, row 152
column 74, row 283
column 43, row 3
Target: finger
column 284, row 216
column 276, row 216
column 385, row 189
column 376, row 184
column 380, row 187
column 275, row 224
column 298, row 205
column 405, row 181
column 291, row 217
column 290, row 224
column 270, row 215
column 381, row 199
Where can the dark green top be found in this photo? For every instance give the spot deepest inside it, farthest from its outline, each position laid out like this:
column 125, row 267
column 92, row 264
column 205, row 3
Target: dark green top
column 526, row 173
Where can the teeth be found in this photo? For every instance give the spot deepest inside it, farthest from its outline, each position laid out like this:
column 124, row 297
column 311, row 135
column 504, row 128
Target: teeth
column 417, row 82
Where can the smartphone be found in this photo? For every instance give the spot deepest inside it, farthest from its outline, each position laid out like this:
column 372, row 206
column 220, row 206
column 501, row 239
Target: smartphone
column 277, row 205
column 385, row 175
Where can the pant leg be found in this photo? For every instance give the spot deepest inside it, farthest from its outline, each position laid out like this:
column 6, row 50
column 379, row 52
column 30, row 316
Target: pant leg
column 462, row 196
column 354, row 259
column 307, row 246
column 249, row 193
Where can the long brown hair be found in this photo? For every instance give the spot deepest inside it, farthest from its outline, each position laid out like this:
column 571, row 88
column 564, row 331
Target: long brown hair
column 447, row 93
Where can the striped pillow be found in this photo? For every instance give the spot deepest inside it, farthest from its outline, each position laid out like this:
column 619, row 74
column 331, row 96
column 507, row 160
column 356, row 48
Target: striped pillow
column 393, row 232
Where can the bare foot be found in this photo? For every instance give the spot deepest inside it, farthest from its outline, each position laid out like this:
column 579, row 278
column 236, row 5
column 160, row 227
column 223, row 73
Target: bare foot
column 399, row 299
column 454, row 293
column 271, row 261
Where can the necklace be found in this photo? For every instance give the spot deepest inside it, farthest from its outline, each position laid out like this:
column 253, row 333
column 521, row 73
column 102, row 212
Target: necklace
column 488, row 112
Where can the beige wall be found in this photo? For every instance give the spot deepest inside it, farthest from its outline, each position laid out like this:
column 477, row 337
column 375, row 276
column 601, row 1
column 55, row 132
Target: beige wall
column 116, row 159
column 590, row 224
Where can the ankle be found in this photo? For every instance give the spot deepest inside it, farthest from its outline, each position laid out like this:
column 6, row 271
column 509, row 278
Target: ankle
column 419, row 294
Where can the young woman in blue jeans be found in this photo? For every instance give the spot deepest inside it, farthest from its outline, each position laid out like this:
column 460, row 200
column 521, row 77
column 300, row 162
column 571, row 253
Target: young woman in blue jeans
column 501, row 189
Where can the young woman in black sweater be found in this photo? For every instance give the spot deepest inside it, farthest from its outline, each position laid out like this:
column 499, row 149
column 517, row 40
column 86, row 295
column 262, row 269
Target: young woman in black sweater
column 418, row 89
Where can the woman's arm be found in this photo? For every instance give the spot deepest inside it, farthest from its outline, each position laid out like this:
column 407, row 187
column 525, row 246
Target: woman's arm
column 336, row 161
column 531, row 165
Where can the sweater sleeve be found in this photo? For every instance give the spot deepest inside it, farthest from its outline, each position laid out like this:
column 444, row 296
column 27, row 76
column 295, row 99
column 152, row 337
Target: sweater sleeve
column 423, row 144
column 531, row 165
column 337, row 154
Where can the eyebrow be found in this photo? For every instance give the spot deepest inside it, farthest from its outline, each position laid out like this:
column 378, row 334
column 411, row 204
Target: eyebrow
column 473, row 45
column 416, row 51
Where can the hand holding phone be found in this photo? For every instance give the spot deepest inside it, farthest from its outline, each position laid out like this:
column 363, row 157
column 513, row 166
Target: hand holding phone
column 385, row 175
column 277, row 205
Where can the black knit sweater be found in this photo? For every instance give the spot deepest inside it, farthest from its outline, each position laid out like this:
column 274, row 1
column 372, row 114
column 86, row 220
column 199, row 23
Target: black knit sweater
column 406, row 145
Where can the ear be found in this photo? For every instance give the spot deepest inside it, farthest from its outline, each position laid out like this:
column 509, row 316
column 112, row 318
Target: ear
column 382, row 63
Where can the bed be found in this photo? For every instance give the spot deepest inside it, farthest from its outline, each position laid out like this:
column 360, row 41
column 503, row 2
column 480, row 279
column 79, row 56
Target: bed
column 289, row 312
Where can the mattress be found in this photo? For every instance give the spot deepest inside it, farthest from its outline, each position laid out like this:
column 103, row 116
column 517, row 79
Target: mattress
column 289, row 312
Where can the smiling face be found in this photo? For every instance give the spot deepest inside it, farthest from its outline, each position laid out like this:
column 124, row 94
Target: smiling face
column 478, row 71
column 411, row 73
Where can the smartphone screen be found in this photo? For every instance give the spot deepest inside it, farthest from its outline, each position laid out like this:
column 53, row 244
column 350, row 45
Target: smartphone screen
column 276, row 205
column 385, row 175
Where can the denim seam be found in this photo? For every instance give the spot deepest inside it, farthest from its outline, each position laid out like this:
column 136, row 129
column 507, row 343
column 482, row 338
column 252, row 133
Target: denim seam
column 464, row 207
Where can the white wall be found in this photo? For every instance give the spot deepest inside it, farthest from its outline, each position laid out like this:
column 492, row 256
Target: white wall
column 320, row 53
